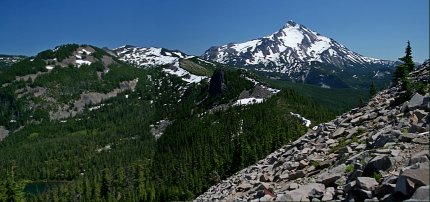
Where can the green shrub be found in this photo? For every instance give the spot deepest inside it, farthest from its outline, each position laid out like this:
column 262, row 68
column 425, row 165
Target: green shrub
column 349, row 168
column 377, row 176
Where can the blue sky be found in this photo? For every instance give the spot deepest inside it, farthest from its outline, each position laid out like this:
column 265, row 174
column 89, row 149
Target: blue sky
column 372, row 28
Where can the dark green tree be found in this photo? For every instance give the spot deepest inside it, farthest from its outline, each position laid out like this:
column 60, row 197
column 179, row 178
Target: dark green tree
column 13, row 189
column 402, row 70
column 407, row 59
column 372, row 89
column 106, row 187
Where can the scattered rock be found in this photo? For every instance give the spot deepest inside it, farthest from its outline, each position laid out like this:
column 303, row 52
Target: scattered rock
column 421, row 194
column 367, row 183
column 378, row 163
column 411, row 179
column 266, row 177
column 421, row 140
column 338, row 132
column 380, row 138
column 416, row 101
column 297, row 174
column 408, row 137
column 244, row 186
column 328, row 178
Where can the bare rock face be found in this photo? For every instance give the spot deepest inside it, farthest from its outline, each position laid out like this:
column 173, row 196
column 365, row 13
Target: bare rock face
column 218, row 83
column 384, row 158
column 3, row 132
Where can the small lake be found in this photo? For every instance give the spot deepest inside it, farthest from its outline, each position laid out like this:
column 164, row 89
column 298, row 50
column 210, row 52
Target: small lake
column 35, row 188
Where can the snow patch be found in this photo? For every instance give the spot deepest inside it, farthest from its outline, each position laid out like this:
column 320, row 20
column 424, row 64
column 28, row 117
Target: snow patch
column 184, row 74
column 81, row 62
column 306, row 122
column 248, row 101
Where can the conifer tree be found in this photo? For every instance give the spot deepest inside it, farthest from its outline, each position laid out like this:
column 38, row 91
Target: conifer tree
column 13, row 189
column 402, row 70
column 407, row 59
column 372, row 89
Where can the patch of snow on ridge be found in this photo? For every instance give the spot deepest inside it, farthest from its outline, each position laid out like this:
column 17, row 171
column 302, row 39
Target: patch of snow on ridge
column 243, row 47
column 81, row 62
column 248, row 101
column 184, row 74
column 318, row 47
column 273, row 90
column 148, row 56
column 306, row 122
column 85, row 51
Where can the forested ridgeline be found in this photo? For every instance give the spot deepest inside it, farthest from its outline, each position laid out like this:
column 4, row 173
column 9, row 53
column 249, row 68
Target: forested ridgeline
column 108, row 152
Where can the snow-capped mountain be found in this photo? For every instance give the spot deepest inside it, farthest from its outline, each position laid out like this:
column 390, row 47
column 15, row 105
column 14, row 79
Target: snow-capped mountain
column 302, row 55
column 292, row 44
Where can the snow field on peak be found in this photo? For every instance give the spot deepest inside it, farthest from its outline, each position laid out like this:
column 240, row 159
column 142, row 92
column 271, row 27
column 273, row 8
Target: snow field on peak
column 291, row 37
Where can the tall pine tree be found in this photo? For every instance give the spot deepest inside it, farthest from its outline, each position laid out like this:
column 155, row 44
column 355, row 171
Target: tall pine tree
column 402, row 70
column 372, row 89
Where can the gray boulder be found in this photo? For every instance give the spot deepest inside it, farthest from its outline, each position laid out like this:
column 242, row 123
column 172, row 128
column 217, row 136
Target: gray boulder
column 378, row 163
column 421, row 194
column 416, row 101
column 419, row 157
column 367, row 183
column 328, row 194
column 421, row 140
column 417, row 128
column 297, row 174
column 244, row 186
column 338, row 132
column 329, row 177
column 266, row 177
column 410, row 179
column 408, row 137
column 384, row 139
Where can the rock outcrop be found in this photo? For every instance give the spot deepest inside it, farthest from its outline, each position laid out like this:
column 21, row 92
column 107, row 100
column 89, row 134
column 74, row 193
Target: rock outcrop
column 376, row 152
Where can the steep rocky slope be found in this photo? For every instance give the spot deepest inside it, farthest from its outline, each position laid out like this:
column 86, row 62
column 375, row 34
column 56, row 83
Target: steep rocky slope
column 379, row 151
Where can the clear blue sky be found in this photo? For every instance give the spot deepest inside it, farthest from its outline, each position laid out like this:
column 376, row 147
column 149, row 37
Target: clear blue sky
column 374, row 28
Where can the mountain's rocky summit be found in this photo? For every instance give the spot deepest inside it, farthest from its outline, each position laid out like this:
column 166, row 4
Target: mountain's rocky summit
column 376, row 152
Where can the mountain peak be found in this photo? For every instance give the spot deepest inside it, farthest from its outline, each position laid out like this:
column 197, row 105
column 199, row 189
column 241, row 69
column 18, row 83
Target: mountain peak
column 290, row 23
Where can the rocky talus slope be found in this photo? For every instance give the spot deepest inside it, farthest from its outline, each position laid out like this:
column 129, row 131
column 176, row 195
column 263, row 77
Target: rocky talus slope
column 376, row 152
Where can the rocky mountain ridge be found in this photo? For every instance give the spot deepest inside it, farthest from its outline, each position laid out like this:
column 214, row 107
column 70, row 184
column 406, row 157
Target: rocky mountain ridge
column 376, row 152
column 7, row 60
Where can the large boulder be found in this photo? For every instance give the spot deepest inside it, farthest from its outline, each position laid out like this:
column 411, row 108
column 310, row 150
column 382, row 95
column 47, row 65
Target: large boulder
column 329, row 177
column 408, row 137
column 416, row 101
column 419, row 157
column 244, row 186
column 338, row 132
column 411, row 179
column 367, row 183
column 421, row 194
column 378, row 163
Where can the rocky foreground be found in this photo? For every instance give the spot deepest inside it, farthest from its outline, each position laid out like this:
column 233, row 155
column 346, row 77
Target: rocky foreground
column 379, row 152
